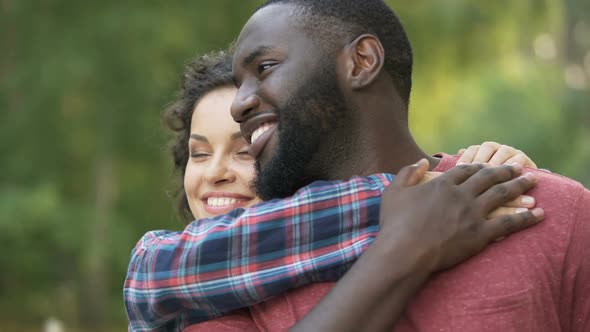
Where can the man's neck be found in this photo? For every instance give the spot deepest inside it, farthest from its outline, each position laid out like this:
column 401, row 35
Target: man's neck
column 376, row 139
column 383, row 144
column 389, row 155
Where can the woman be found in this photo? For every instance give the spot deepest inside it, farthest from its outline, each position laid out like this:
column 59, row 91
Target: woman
column 210, row 152
column 216, row 170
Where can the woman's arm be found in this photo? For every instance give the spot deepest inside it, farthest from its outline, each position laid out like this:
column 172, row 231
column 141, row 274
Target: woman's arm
column 233, row 261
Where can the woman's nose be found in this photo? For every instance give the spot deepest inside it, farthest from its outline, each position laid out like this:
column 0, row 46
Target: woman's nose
column 219, row 171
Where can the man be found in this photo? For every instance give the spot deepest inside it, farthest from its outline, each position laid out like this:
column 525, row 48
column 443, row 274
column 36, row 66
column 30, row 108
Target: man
column 353, row 113
column 353, row 121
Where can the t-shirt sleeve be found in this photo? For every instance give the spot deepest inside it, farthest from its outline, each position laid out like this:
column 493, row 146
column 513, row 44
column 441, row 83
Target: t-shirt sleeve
column 577, row 271
column 239, row 321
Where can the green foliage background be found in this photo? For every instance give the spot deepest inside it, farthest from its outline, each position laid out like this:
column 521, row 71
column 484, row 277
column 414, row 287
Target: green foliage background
column 84, row 166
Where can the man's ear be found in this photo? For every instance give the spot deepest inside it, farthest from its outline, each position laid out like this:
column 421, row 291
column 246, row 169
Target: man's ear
column 365, row 61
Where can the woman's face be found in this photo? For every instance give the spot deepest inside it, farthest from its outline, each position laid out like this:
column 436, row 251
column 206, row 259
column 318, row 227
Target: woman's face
column 219, row 169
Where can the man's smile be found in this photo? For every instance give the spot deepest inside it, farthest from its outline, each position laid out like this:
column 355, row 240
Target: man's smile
column 261, row 130
column 260, row 138
column 258, row 131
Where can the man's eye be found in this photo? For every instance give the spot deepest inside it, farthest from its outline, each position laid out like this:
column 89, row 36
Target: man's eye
column 264, row 66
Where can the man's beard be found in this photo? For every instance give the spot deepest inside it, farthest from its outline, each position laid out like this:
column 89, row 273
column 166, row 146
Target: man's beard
column 307, row 119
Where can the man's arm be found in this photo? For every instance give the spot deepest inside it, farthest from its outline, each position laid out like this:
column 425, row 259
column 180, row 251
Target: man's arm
column 233, row 261
column 374, row 293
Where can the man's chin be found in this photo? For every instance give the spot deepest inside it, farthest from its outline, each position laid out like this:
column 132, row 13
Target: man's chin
column 273, row 181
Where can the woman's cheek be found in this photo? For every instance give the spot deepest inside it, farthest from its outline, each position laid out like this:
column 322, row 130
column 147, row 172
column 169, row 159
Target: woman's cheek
column 192, row 180
column 246, row 169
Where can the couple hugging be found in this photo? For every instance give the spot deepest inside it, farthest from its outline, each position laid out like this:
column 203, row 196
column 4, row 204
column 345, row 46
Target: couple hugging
column 330, row 239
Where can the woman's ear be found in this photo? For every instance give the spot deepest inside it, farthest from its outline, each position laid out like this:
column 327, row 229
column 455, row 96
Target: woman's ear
column 366, row 57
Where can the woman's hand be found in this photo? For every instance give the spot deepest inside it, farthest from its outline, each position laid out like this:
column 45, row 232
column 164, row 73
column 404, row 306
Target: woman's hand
column 518, row 205
column 494, row 154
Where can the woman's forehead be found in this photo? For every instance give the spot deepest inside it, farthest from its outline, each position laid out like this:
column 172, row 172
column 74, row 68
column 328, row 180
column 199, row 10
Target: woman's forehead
column 212, row 114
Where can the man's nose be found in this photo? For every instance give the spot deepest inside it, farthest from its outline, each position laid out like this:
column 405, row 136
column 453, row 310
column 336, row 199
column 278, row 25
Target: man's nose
column 245, row 103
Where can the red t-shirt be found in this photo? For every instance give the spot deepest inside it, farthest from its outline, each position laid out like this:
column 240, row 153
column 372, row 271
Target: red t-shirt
column 535, row 280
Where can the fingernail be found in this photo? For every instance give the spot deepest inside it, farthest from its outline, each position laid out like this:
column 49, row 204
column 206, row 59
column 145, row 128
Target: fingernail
column 461, row 163
column 538, row 213
column 528, row 200
column 531, row 177
column 521, row 210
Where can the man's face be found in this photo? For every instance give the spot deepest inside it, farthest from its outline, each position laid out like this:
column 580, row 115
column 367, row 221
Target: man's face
column 287, row 103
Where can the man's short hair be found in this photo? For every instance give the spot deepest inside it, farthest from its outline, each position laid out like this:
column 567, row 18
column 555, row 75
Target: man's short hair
column 332, row 21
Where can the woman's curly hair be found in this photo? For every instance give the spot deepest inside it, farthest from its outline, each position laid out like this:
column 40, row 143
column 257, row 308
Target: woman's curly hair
column 201, row 76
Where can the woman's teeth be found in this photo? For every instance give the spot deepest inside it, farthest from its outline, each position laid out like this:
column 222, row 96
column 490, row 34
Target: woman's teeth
column 261, row 130
column 221, row 201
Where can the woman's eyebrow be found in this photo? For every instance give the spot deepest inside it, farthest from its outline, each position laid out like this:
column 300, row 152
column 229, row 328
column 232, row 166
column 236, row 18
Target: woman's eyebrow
column 236, row 135
column 198, row 137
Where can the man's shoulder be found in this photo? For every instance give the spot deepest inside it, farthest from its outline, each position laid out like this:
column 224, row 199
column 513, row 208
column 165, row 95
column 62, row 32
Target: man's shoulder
column 558, row 195
column 554, row 182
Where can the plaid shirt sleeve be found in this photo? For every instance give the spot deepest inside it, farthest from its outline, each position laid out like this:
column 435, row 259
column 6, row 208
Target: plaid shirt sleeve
column 233, row 261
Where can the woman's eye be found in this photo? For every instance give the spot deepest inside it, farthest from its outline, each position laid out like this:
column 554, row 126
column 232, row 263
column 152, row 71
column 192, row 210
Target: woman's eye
column 237, row 82
column 244, row 154
column 199, row 155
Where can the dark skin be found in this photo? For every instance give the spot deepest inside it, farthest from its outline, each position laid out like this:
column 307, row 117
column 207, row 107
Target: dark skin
column 272, row 60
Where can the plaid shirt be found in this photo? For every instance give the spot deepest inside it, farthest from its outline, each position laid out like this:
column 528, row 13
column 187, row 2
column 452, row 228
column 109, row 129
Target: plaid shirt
column 217, row 265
